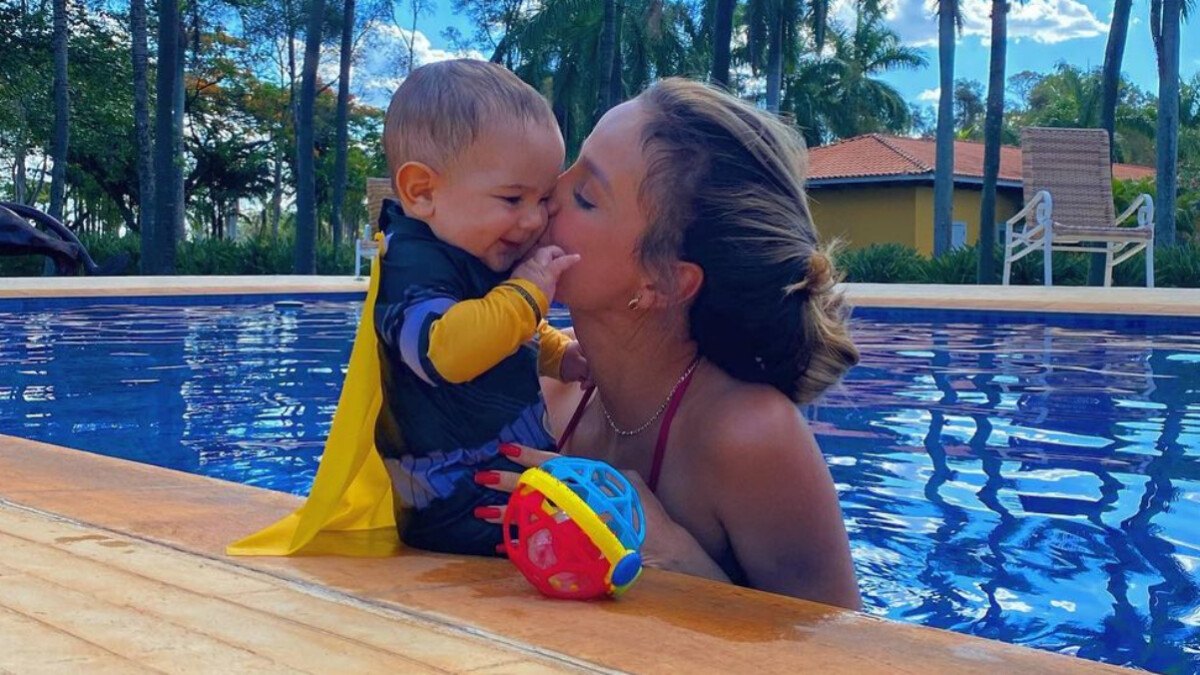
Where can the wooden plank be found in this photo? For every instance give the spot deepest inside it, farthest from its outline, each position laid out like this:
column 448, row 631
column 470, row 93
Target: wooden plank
column 255, row 613
column 27, row 645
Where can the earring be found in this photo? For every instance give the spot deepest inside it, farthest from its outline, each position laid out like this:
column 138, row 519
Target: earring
column 633, row 304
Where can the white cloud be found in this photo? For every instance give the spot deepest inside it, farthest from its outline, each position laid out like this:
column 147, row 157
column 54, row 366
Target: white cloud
column 1044, row 21
column 930, row 95
column 381, row 61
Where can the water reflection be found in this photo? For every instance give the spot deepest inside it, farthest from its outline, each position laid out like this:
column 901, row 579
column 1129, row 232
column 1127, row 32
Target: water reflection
column 1026, row 482
column 244, row 393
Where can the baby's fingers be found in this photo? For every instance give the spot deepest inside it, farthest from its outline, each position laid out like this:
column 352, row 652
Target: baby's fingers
column 562, row 264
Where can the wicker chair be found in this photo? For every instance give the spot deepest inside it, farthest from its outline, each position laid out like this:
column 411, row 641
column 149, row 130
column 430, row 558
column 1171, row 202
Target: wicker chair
column 365, row 245
column 1067, row 176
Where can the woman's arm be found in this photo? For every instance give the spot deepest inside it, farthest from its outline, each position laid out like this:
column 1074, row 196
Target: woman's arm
column 778, row 504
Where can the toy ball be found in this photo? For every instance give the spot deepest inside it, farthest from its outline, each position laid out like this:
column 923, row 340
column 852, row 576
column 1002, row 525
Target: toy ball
column 574, row 528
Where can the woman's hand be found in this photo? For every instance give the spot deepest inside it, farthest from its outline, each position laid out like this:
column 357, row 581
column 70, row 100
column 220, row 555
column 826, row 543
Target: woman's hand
column 668, row 546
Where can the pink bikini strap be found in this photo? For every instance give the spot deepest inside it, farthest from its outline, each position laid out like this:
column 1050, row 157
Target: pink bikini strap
column 575, row 417
column 664, row 432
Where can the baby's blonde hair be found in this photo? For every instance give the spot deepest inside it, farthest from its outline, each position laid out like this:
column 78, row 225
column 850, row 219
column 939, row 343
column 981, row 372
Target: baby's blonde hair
column 441, row 108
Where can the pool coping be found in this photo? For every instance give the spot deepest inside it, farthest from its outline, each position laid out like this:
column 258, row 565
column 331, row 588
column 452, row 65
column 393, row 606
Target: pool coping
column 668, row 623
column 1037, row 299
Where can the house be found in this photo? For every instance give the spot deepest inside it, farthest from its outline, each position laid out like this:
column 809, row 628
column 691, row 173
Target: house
column 877, row 189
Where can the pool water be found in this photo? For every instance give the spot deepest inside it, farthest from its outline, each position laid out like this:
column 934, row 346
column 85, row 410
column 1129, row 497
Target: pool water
column 1027, row 478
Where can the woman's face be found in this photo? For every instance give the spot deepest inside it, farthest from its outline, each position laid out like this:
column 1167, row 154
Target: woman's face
column 595, row 212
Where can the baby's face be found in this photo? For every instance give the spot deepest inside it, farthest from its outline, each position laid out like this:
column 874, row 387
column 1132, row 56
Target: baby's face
column 492, row 200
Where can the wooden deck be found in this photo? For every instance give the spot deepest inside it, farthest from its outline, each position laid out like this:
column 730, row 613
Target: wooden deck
column 111, row 565
column 75, row 598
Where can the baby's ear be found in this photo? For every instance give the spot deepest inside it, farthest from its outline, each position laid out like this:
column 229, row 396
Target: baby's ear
column 415, row 183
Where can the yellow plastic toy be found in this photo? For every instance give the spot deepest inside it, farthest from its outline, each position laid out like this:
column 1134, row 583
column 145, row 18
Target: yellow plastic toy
column 350, row 510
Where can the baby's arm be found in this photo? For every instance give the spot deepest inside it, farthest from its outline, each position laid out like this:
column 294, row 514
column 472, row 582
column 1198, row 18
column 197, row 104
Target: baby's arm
column 444, row 339
column 473, row 336
column 559, row 356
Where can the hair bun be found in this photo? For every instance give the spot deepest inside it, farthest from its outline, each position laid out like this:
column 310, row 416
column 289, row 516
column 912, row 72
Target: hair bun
column 818, row 275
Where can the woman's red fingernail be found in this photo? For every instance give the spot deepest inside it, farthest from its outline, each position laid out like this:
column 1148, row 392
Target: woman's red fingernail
column 510, row 450
column 487, row 512
column 487, row 478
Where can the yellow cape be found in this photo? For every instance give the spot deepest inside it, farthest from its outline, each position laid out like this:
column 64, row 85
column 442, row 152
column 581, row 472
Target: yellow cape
column 349, row 510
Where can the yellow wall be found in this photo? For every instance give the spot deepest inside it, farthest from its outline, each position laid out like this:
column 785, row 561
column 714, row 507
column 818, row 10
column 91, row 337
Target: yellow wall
column 967, row 203
column 864, row 215
column 872, row 214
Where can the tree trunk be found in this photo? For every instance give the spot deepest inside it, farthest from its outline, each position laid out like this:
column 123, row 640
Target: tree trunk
column 343, row 123
column 143, row 153
column 19, row 176
column 177, row 125
column 1167, row 137
column 943, row 184
column 306, row 183
column 722, row 37
column 277, row 190
column 160, row 258
column 62, row 102
column 1110, row 83
column 992, row 127
column 616, row 85
column 604, row 57
column 775, row 61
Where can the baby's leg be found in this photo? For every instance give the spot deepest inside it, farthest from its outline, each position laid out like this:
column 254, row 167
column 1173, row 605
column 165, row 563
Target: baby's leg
column 449, row 525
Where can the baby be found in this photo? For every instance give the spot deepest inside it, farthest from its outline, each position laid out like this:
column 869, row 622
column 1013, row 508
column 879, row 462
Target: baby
column 473, row 154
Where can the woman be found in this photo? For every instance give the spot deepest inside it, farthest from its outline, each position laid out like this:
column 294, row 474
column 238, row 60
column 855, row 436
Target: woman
column 707, row 311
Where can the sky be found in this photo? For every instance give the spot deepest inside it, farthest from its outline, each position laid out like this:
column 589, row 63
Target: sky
column 1041, row 34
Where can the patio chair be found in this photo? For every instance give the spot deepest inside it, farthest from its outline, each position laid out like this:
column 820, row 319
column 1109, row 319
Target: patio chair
column 365, row 245
column 1067, row 176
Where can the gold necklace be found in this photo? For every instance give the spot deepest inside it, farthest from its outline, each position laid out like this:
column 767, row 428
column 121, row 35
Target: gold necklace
column 658, row 413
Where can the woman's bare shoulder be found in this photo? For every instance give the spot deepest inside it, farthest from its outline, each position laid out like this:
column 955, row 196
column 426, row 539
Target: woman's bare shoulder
column 744, row 422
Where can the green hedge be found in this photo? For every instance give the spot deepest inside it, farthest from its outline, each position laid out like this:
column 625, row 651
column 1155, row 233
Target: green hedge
column 1174, row 267
column 259, row 255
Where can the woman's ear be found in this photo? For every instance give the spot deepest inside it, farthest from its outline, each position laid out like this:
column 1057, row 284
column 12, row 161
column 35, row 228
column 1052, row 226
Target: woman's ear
column 688, row 278
column 415, row 183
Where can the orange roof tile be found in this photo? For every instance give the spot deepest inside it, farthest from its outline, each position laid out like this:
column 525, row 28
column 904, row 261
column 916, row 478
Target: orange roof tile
column 877, row 155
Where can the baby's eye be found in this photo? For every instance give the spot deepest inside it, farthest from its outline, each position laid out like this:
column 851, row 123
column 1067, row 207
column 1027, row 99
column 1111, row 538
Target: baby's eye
column 511, row 200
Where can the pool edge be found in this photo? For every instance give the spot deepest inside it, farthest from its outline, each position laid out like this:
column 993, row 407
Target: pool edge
column 708, row 627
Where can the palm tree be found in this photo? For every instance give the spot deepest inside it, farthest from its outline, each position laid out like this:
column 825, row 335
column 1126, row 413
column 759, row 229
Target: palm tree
column 840, row 96
column 343, row 122
column 160, row 258
column 306, row 177
column 949, row 20
column 141, row 126
column 555, row 48
column 1114, row 54
column 62, row 102
column 722, row 37
column 992, row 127
column 1164, row 27
column 607, row 52
column 772, row 32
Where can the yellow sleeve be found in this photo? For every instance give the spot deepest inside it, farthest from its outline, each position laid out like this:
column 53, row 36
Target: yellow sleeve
column 552, row 345
column 475, row 335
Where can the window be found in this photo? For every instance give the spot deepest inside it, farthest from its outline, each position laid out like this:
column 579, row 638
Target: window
column 958, row 236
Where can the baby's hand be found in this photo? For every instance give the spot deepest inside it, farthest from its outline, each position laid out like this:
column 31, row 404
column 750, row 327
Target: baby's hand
column 543, row 268
column 574, row 366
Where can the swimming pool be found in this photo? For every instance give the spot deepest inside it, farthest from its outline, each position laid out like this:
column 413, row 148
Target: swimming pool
column 1021, row 477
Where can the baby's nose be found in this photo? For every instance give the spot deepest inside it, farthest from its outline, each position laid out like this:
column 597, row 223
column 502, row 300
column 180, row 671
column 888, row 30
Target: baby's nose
column 535, row 218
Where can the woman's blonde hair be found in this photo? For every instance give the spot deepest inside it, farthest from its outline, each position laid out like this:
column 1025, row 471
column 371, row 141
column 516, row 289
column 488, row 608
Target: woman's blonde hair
column 724, row 189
